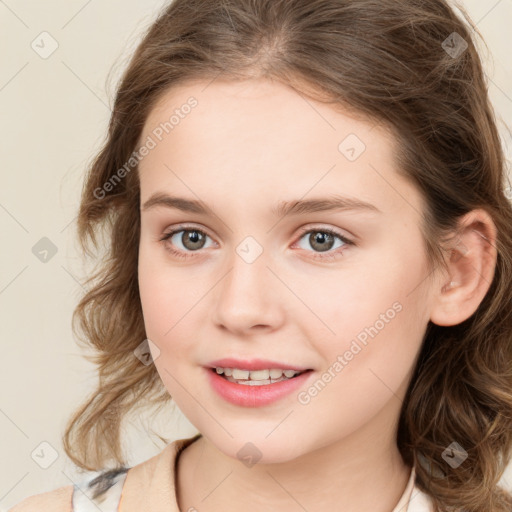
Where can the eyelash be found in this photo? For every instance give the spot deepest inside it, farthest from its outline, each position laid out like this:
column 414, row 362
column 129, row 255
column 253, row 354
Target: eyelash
column 329, row 255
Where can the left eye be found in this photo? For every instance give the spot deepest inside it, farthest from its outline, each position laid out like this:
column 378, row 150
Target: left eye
column 323, row 240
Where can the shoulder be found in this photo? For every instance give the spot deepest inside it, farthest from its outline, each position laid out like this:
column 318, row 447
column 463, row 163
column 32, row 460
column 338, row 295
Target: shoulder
column 101, row 492
column 420, row 501
column 137, row 486
column 58, row 500
column 414, row 499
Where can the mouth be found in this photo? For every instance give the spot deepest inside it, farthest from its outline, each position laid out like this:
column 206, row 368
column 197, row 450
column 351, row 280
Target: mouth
column 256, row 387
column 257, row 377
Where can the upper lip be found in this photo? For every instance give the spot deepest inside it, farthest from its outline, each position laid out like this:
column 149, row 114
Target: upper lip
column 253, row 364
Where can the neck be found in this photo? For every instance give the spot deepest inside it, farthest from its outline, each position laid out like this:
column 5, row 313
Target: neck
column 364, row 472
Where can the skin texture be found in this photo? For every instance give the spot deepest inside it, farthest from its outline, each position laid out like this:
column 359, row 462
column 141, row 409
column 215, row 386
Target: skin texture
column 245, row 147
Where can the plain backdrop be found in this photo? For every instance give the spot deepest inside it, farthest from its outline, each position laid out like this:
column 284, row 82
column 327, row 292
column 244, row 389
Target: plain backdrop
column 54, row 111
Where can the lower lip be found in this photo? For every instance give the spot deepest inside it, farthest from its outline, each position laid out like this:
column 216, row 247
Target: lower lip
column 254, row 396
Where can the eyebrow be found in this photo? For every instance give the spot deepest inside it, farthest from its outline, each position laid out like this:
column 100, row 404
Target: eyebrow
column 283, row 208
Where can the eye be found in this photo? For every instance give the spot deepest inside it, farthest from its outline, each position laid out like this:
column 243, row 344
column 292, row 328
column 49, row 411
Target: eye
column 191, row 239
column 322, row 240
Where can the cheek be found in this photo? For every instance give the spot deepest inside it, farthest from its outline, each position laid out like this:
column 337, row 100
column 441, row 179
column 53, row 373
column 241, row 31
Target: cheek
column 343, row 303
column 365, row 370
column 159, row 300
column 150, row 297
column 375, row 319
column 168, row 298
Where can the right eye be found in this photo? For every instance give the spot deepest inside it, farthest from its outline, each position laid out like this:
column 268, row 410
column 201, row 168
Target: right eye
column 191, row 240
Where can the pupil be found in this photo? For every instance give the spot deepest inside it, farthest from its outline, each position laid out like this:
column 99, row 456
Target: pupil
column 194, row 238
column 322, row 241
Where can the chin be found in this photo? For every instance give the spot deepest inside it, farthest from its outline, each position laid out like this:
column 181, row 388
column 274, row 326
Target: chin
column 254, row 447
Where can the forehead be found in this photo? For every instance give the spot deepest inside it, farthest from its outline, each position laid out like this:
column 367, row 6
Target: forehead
column 258, row 105
column 266, row 136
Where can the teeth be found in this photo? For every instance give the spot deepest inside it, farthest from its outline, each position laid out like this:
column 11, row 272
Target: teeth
column 254, row 382
column 256, row 377
column 240, row 374
column 260, row 374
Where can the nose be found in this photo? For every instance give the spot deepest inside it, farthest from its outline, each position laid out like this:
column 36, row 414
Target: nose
column 248, row 298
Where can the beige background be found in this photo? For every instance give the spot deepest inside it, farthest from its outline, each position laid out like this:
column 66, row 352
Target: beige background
column 54, row 113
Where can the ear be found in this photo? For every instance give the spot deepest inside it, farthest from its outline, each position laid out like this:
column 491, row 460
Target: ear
column 471, row 264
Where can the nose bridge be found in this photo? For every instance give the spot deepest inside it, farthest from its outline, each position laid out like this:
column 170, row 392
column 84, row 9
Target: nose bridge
column 246, row 295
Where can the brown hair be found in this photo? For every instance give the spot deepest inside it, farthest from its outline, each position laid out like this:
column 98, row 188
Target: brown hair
column 391, row 62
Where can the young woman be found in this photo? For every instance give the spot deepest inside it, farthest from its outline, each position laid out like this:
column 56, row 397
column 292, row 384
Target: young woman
column 310, row 252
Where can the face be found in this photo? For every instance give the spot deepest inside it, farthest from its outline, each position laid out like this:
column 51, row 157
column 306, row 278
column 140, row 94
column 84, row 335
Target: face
column 339, row 291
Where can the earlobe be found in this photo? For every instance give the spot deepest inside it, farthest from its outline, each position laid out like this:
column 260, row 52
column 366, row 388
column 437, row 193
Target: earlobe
column 471, row 265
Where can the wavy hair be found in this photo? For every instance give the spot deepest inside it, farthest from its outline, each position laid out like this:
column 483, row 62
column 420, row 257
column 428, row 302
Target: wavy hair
column 402, row 64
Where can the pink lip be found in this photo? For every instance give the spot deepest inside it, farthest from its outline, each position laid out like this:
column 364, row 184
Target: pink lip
column 254, row 396
column 253, row 364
